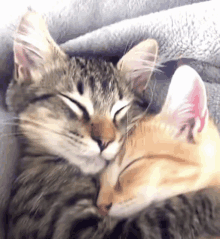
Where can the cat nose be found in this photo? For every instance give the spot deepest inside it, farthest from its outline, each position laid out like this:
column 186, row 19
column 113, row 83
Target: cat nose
column 101, row 143
column 104, row 208
column 102, row 131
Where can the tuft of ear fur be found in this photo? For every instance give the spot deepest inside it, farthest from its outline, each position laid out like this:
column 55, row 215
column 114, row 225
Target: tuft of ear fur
column 34, row 48
column 139, row 63
column 186, row 102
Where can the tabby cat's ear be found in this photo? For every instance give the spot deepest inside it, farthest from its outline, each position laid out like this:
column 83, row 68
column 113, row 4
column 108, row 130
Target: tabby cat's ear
column 34, row 48
column 186, row 102
column 138, row 64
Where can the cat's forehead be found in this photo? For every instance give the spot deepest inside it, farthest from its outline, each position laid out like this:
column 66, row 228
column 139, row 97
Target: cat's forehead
column 95, row 82
column 96, row 75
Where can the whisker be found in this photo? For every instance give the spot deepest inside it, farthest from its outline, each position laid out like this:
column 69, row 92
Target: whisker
column 127, row 127
column 7, row 120
column 134, row 121
column 149, row 53
column 131, row 45
column 8, row 135
column 159, row 63
column 69, row 136
column 13, row 123
column 152, row 95
column 126, row 47
column 76, row 139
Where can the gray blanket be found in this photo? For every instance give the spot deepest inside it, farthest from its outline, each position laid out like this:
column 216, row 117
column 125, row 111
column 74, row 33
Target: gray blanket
column 188, row 29
column 191, row 32
column 70, row 19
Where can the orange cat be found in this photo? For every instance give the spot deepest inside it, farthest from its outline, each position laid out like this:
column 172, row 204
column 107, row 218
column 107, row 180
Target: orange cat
column 174, row 152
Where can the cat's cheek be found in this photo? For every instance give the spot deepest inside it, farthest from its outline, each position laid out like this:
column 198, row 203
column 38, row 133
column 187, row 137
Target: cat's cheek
column 91, row 150
column 125, row 207
column 93, row 166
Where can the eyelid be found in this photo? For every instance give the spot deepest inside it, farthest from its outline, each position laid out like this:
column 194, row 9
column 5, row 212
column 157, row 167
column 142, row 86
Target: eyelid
column 119, row 105
column 82, row 109
column 130, row 164
column 119, row 111
column 42, row 97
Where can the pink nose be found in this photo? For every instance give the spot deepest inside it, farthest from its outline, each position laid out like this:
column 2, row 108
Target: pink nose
column 104, row 209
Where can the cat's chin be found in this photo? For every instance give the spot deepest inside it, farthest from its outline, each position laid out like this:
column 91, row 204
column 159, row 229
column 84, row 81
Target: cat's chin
column 89, row 165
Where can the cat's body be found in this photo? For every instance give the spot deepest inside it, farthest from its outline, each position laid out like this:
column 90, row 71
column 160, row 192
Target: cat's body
column 174, row 152
column 73, row 115
column 53, row 199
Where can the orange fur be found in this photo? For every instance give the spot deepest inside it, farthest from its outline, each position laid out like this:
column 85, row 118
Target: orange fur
column 157, row 163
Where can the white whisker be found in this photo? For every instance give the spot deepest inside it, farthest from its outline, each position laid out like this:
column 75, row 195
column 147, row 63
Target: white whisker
column 7, row 120
column 128, row 48
column 135, row 119
column 8, row 135
column 12, row 124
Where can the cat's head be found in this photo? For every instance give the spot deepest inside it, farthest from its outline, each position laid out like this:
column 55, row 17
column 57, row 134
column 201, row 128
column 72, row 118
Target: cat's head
column 78, row 109
column 168, row 154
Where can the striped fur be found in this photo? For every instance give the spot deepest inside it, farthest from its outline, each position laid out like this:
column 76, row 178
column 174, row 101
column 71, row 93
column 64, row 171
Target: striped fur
column 53, row 199
column 73, row 115
column 78, row 109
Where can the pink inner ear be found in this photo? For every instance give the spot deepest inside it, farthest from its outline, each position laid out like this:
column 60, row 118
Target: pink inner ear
column 23, row 63
column 20, row 56
column 187, row 100
column 202, row 121
column 197, row 100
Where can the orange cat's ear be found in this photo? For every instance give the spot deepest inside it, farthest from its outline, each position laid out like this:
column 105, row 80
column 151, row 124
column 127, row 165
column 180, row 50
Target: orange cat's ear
column 33, row 47
column 139, row 63
column 186, row 102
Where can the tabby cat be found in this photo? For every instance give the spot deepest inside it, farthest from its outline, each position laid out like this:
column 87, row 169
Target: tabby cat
column 73, row 115
column 174, row 152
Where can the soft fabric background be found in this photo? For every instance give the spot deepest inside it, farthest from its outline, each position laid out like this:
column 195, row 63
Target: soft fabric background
column 188, row 29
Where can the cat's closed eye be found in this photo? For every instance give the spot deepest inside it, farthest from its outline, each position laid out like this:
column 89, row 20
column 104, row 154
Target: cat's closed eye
column 120, row 113
column 76, row 107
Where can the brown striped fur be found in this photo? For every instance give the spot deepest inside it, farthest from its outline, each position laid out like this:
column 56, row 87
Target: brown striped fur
column 54, row 193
